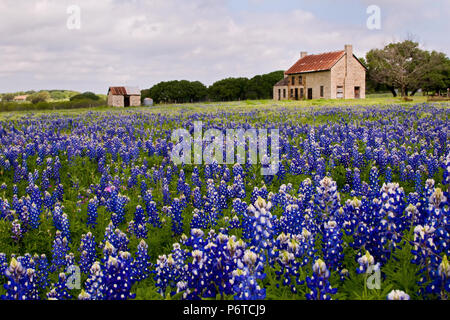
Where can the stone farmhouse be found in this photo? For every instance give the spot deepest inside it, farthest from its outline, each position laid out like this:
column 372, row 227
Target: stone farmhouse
column 330, row 75
column 22, row 98
column 124, row 97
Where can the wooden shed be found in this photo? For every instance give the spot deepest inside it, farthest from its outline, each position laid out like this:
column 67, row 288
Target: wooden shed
column 124, row 97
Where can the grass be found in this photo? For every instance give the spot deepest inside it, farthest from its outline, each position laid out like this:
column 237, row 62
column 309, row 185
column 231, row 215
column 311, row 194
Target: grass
column 245, row 106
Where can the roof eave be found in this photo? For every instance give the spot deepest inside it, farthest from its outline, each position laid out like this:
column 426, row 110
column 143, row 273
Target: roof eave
column 309, row 71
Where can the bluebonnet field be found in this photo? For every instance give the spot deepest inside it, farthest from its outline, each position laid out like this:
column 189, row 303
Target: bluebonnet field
column 358, row 210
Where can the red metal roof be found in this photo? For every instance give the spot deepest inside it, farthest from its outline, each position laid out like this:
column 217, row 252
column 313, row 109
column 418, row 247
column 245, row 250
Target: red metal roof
column 316, row 62
column 118, row 91
column 124, row 91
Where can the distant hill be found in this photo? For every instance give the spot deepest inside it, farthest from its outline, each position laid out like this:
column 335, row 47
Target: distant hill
column 55, row 95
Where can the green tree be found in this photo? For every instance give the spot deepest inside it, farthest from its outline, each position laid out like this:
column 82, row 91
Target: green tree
column 40, row 96
column 437, row 78
column 85, row 96
column 401, row 65
column 57, row 95
column 8, row 97
column 176, row 92
column 229, row 89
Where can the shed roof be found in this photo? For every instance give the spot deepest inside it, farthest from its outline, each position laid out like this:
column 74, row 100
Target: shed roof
column 125, row 91
column 316, row 62
column 283, row 82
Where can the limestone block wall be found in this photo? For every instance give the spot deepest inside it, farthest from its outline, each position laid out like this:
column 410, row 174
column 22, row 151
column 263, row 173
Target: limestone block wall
column 356, row 77
column 115, row 101
column 279, row 95
column 315, row 80
column 349, row 78
column 135, row 101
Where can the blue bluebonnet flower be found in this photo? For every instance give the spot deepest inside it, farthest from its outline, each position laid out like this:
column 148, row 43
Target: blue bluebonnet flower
column 446, row 176
column 306, row 191
column 116, row 238
column 94, row 285
column 3, row 264
column 140, row 223
column 88, row 252
column 177, row 218
column 234, row 222
column 166, row 192
column 119, row 210
column 34, row 216
column 367, row 264
column 60, row 289
column 397, row 295
column 388, row 175
column 117, row 279
column 319, row 284
column 139, row 215
column 42, row 271
column 141, row 265
column 199, row 220
column 92, row 212
column 152, row 212
column 374, row 183
column 49, row 201
column 327, row 199
column 20, row 283
column 169, row 271
column 59, row 250
column 291, row 252
column 357, row 188
column 65, row 227
column 16, row 230
column 441, row 279
column 239, row 187
column 246, row 276
column 59, row 192
column 196, row 178
column 418, row 182
column 262, row 224
column 332, row 245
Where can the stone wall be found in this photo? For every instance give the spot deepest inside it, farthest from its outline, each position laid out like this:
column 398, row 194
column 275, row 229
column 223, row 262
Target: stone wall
column 119, row 101
column 135, row 101
column 115, row 101
column 349, row 77
column 281, row 96
column 314, row 80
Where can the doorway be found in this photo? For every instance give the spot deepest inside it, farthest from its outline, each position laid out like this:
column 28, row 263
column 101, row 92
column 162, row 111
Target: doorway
column 309, row 93
column 296, row 93
column 357, row 92
column 126, row 101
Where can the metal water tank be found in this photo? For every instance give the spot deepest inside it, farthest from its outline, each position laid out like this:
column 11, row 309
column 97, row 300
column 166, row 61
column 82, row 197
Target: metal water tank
column 148, row 102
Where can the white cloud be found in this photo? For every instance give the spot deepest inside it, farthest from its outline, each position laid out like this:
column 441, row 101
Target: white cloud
column 137, row 42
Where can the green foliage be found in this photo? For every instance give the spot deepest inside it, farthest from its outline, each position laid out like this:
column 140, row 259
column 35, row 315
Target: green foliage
column 176, row 92
column 85, row 96
column 40, row 96
column 400, row 272
column 406, row 67
column 230, row 89
column 261, row 86
column 56, row 105
column 8, row 97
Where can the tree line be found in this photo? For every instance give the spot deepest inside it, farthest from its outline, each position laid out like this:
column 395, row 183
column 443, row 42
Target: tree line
column 229, row 89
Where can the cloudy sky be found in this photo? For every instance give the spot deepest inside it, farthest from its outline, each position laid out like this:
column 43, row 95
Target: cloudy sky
column 142, row 42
